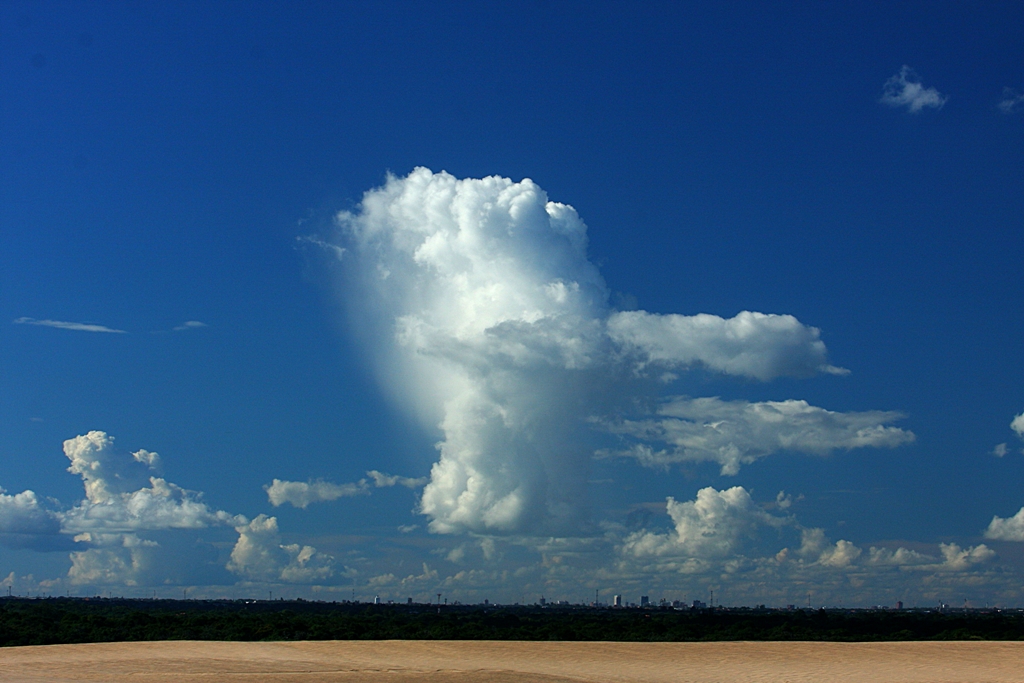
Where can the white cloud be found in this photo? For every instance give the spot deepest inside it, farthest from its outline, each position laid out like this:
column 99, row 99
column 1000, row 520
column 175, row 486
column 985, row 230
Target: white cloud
column 124, row 563
column 962, row 559
column 300, row 494
column 732, row 433
column 457, row 554
column 1006, row 529
column 161, row 505
column 901, row 557
column 843, row 554
column 904, row 89
column 1012, row 101
column 718, row 537
column 259, row 555
column 105, row 471
column 190, row 325
column 389, row 585
column 26, row 523
column 750, row 344
column 382, row 580
column 1010, row 528
column 483, row 316
column 1017, row 425
column 117, row 498
column 22, row 514
column 711, row 526
column 100, row 567
column 60, row 324
column 123, row 500
column 112, row 531
column 816, row 548
column 382, row 480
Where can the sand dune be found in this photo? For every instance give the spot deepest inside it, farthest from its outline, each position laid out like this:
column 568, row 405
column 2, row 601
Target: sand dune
column 525, row 662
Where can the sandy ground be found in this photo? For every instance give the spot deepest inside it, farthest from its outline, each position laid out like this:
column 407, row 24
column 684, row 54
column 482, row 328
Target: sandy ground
column 504, row 662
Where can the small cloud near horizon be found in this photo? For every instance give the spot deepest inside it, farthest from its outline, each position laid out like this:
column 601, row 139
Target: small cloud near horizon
column 190, row 325
column 63, row 325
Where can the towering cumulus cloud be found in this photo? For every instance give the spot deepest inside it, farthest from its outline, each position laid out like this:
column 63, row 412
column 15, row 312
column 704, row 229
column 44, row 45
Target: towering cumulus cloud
column 487, row 319
column 484, row 317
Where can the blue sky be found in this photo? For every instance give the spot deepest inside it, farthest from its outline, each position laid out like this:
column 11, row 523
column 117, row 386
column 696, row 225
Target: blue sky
column 255, row 239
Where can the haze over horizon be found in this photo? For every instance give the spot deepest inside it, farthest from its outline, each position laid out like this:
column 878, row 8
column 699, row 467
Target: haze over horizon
column 500, row 302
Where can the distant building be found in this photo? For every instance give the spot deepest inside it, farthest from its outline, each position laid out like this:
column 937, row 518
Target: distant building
column 376, row 599
column 698, row 604
column 409, row 601
column 645, row 601
column 617, row 601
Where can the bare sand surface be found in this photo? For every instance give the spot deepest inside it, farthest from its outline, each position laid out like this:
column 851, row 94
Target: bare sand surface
column 505, row 662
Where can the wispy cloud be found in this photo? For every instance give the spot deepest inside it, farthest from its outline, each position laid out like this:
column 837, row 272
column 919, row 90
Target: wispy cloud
column 334, row 249
column 757, row 345
column 190, row 325
column 383, row 480
column 904, row 89
column 1012, row 101
column 734, row 433
column 63, row 325
column 300, row 493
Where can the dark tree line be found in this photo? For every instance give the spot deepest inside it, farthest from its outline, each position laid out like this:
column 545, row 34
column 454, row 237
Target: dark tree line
column 60, row 620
